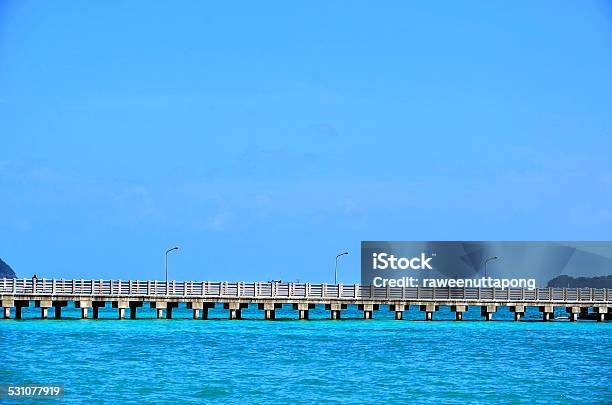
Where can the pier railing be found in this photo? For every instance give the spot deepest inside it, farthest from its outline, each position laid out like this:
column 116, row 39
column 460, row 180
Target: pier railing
column 223, row 289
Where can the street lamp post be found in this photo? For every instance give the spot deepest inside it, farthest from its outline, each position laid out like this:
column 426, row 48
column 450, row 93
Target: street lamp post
column 168, row 251
column 336, row 270
column 487, row 261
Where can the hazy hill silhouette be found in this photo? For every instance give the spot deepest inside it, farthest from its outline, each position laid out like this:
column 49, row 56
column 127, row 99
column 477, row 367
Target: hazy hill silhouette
column 6, row 271
column 581, row 282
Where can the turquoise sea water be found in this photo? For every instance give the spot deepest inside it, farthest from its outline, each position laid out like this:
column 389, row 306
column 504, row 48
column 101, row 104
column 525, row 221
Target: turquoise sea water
column 289, row 361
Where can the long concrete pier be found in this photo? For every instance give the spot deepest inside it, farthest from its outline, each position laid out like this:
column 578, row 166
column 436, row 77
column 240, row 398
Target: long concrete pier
column 200, row 296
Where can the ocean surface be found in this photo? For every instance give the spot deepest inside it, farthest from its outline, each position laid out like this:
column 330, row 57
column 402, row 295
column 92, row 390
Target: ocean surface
column 317, row 361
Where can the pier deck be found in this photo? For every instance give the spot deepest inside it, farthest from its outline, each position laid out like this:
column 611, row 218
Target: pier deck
column 199, row 296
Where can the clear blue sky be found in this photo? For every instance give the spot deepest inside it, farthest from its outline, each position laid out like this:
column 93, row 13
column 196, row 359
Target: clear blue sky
column 264, row 137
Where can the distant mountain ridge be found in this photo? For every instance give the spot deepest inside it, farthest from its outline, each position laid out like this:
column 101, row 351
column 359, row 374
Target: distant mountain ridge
column 581, row 282
column 6, row 271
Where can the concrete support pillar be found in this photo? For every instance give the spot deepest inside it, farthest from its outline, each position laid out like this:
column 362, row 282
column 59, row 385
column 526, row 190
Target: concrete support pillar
column 133, row 308
column 459, row 310
column 547, row 312
column 205, row 311
column 6, row 307
column 84, row 305
column 44, row 306
column 367, row 309
column 196, row 307
column 169, row 307
column 601, row 312
column 429, row 309
column 335, row 310
column 235, row 309
column 121, row 306
column 487, row 311
column 96, row 307
column 269, row 309
column 57, row 305
column 303, row 310
column 19, row 304
column 573, row 313
column 161, row 305
column 399, row 310
column 519, row 311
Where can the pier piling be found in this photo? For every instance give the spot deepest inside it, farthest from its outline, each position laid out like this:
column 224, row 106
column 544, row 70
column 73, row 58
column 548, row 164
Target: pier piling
column 458, row 310
column 548, row 312
column 44, row 306
column 487, row 311
column 235, row 309
column 335, row 310
column 519, row 311
column 121, row 305
column 429, row 309
column 399, row 310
